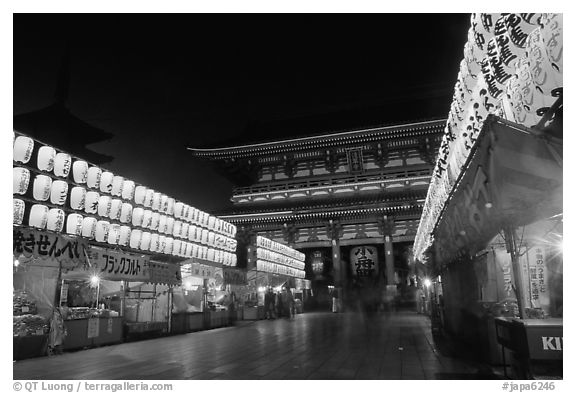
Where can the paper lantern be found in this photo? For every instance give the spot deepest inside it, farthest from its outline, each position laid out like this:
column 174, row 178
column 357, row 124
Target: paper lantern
column 186, row 212
column 140, row 194
column 74, row 224
column 41, row 187
column 115, row 209
column 145, row 241
column 18, row 207
column 156, row 199
column 211, row 221
column 77, row 198
column 20, row 180
column 147, row 218
column 168, row 245
column 91, row 202
column 211, row 238
column 94, row 176
column 534, row 101
column 45, row 158
column 38, row 216
column 114, row 234
column 124, row 238
column 106, row 182
column 552, row 35
column 162, row 223
column 176, row 247
column 80, row 171
column 177, row 228
column 544, row 76
column 161, row 243
column 501, row 71
column 170, row 206
column 137, row 216
column 195, row 250
column 211, row 255
column 128, row 188
column 126, row 213
column 102, row 229
column 22, row 149
column 188, row 250
column 178, row 209
column 155, row 221
column 191, row 232
column 117, row 184
column 154, row 242
column 170, row 225
column 89, row 227
column 59, row 192
column 104, row 204
column 234, row 260
column 148, row 198
column 135, row 238
column 184, row 230
column 204, row 239
column 62, row 164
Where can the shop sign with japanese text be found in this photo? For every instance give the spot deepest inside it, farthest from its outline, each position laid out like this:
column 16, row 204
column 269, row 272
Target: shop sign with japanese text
column 117, row 265
column 234, row 276
column 69, row 251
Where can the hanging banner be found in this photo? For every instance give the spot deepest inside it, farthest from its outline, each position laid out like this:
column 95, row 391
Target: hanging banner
column 234, row 276
column 364, row 260
column 539, row 295
column 355, row 160
column 69, row 251
column 165, row 273
column 117, row 265
column 318, row 264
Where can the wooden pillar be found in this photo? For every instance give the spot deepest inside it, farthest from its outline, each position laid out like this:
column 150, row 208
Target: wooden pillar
column 513, row 249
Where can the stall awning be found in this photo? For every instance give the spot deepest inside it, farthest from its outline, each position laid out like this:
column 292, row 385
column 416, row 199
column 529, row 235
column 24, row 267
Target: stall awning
column 513, row 178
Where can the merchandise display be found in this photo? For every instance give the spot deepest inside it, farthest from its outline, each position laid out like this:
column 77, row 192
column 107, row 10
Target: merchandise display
column 25, row 320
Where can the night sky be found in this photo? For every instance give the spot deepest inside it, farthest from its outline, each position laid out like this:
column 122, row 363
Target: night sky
column 162, row 82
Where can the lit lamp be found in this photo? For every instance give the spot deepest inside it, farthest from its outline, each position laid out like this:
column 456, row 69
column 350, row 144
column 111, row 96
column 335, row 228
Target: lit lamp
column 162, row 223
column 211, row 238
column 38, row 216
column 124, row 235
column 135, row 238
column 156, row 197
column 176, row 247
column 155, row 221
column 78, row 198
column 148, row 197
column 546, row 79
column 139, row 195
column 18, row 209
column 184, row 230
column 163, row 203
column 20, row 180
column 137, row 216
column 55, row 221
column 80, row 171
column 94, row 177
column 147, row 218
column 154, row 242
column 552, row 34
column 102, row 230
column 22, row 149
column 89, row 227
column 168, row 245
column 204, row 239
column 59, row 192
column 169, row 225
column 177, row 228
column 91, row 202
column 170, row 206
column 41, row 187
column 117, row 183
column 106, row 182
column 161, row 243
column 145, row 241
column 186, row 212
column 178, row 209
column 74, row 224
column 115, row 209
column 211, row 221
column 104, row 204
column 114, row 234
column 128, row 188
column 45, row 158
column 126, row 213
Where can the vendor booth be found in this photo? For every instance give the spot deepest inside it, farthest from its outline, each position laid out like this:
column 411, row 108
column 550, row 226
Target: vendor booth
column 491, row 228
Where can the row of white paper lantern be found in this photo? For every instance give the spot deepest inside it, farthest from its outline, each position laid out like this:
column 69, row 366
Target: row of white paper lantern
column 270, row 267
column 42, row 217
column 272, row 256
column 280, row 248
column 104, row 181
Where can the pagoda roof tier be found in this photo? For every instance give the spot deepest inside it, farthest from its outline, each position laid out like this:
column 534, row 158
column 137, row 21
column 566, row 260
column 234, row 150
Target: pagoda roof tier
column 347, row 138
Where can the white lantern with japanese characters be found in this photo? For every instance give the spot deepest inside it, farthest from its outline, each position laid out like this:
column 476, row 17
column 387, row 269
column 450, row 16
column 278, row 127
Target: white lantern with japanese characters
column 156, row 198
column 59, row 192
column 55, row 221
column 106, row 182
column 125, row 232
column 178, row 209
column 155, row 221
column 188, row 250
column 128, row 188
column 176, row 247
column 184, row 230
column 161, row 243
column 102, row 229
column 145, row 241
column 18, row 209
column 77, row 198
column 177, row 228
column 137, row 216
column 38, row 216
column 41, row 187
column 89, row 227
column 62, row 164
column 154, row 242
column 94, row 177
column 147, row 218
column 126, row 213
column 45, row 158
column 104, row 204
column 552, row 35
column 117, row 183
column 170, row 206
column 170, row 225
column 20, row 180
column 22, row 149
column 91, row 202
column 140, row 195
column 544, row 76
column 114, row 234
column 80, row 171
column 148, row 198
column 168, row 245
column 162, row 223
column 135, row 238
column 74, row 224
column 115, row 209
column 163, row 203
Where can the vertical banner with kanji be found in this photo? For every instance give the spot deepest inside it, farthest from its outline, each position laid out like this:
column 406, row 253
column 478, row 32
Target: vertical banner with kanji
column 538, row 273
column 69, row 251
column 364, row 260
